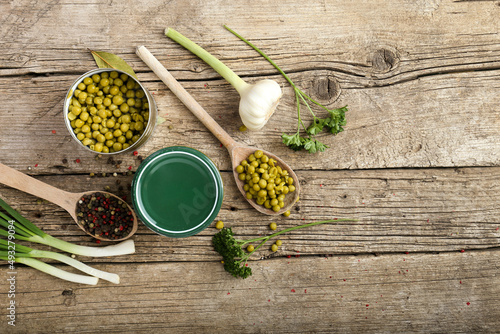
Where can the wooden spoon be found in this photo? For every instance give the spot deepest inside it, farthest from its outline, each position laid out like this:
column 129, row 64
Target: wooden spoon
column 236, row 151
column 66, row 200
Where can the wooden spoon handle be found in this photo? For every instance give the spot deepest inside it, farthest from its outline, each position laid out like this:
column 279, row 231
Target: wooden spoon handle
column 186, row 98
column 30, row 185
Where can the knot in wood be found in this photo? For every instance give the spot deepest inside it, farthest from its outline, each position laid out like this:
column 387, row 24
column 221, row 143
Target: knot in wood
column 326, row 88
column 197, row 68
column 384, row 60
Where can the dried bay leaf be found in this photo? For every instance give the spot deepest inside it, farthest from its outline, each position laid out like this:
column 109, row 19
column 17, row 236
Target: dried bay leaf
column 160, row 120
column 109, row 60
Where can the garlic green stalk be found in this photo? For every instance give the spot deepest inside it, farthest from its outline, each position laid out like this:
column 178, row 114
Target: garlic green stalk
column 257, row 101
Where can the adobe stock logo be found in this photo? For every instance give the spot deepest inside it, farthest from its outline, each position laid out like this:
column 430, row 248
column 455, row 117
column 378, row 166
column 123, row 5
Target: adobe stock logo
column 200, row 201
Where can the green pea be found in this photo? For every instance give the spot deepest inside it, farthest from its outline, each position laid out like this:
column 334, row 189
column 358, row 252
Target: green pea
column 101, row 138
column 121, row 139
column 104, row 82
column 85, row 128
column 117, row 146
column 240, row 169
column 79, row 123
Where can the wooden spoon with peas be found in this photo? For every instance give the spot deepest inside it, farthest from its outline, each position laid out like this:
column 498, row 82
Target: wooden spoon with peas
column 67, row 200
column 237, row 152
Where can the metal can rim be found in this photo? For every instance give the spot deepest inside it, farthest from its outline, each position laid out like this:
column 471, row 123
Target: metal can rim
column 153, row 112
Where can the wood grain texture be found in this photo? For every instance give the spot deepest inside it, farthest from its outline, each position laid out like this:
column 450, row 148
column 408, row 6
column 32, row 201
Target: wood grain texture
column 433, row 72
column 422, row 210
column 418, row 165
column 392, row 293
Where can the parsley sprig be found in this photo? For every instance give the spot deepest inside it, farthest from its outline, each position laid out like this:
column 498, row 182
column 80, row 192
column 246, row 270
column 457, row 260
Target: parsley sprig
column 333, row 123
column 235, row 258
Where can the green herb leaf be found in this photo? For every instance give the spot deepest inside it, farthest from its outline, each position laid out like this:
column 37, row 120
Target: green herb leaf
column 317, row 126
column 336, row 121
column 109, row 60
column 320, row 147
column 291, row 140
column 295, row 141
column 310, row 145
column 235, row 258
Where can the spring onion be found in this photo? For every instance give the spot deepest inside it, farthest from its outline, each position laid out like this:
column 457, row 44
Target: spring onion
column 257, row 101
column 51, row 270
column 26, row 252
column 27, row 231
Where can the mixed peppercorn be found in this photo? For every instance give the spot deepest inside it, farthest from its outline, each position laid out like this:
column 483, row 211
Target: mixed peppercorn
column 105, row 216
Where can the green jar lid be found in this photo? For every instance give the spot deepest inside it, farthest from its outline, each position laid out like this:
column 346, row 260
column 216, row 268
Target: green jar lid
column 177, row 191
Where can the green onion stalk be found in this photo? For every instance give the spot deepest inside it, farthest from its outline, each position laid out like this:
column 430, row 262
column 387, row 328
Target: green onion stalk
column 26, row 252
column 14, row 227
column 27, row 231
column 51, row 270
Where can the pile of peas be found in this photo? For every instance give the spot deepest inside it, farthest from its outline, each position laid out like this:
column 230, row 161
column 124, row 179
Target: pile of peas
column 265, row 182
column 108, row 112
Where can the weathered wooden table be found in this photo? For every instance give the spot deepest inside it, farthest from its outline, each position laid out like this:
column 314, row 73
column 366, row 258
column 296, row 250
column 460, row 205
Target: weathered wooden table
column 418, row 165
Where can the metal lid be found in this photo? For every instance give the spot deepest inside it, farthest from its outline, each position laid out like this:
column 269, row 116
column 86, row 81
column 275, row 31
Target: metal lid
column 177, row 191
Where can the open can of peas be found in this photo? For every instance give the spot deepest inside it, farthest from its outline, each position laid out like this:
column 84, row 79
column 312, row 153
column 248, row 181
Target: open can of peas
column 108, row 111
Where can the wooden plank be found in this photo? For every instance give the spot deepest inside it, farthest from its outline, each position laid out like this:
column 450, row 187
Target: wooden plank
column 401, row 210
column 433, row 72
column 392, row 126
column 389, row 293
column 362, row 39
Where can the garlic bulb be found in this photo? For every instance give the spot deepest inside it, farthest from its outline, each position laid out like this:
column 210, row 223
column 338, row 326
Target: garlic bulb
column 258, row 102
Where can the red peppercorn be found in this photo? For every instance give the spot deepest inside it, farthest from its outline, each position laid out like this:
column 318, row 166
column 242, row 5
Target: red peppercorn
column 136, row 153
column 78, row 161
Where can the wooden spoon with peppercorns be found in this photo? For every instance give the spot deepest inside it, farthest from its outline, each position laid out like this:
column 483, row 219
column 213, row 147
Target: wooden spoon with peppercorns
column 100, row 214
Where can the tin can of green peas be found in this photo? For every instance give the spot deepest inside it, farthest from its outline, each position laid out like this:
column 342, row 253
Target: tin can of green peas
column 108, row 111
